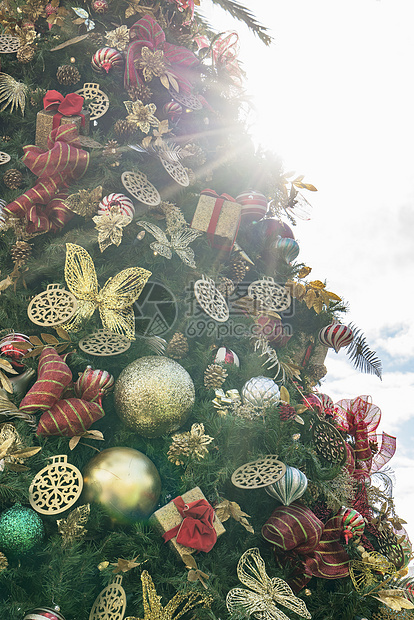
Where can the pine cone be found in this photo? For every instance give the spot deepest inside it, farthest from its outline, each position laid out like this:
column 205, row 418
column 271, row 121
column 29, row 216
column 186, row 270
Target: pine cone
column 214, row 376
column 141, row 92
column 286, row 412
column 67, row 75
column 225, row 286
column 13, row 178
column 123, row 130
column 20, row 252
column 237, row 269
column 177, row 348
column 25, row 53
column 3, row 562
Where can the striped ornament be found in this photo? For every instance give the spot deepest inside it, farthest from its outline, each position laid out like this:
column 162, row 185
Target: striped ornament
column 290, row 487
column 53, row 377
column 124, row 203
column 9, row 350
column 226, row 356
column 93, row 384
column 69, row 417
column 254, row 206
column 335, row 336
column 2, row 214
column 107, row 58
column 173, row 110
column 353, row 524
column 289, row 248
column 44, row 613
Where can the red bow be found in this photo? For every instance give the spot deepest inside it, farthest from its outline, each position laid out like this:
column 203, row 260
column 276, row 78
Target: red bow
column 70, row 105
column 43, row 205
column 148, row 33
column 298, row 530
column 196, row 529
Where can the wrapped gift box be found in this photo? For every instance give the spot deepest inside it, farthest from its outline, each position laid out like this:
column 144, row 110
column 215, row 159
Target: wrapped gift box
column 168, row 517
column 219, row 217
column 44, row 125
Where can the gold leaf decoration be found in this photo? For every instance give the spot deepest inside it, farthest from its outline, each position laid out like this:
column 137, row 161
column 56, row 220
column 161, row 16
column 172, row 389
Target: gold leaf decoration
column 12, row 93
column 114, row 300
column 227, row 509
column 73, row 527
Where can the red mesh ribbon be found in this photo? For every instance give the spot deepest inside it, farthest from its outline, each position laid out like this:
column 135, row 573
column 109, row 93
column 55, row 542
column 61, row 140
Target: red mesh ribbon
column 211, row 230
column 70, row 105
column 61, row 416
column 180, row 61
column 295, row 529
column 196, row 529
column 360, row 418
column 43, row 205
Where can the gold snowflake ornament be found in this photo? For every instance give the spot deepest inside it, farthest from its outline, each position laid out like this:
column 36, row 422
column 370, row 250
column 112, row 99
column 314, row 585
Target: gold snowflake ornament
column 12, row 93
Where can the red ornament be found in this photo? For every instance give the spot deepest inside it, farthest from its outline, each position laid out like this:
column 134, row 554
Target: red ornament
column 273, row 330
column 9, row 350
column 254, row 206
column 335, row 336
column 124, row 203
column 226, row 356
column 107, row 58
column 100, row 6
column 173, row 110
column 273, row 228
column 50, row 9
column 44, row 612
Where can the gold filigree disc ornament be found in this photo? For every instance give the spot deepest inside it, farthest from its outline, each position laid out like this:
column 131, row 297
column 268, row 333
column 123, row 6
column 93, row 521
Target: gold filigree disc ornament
column 4, row 158
column 260, row 473
column 328, row 442
column 98, row 101
column 188, row 101
column 56, row 487
column 270, row 295
column 9, row 44
column 104, row 342
column 110, row 604
column 176, row 171
column 211, row 300
column 137, row 184
column 52, row 307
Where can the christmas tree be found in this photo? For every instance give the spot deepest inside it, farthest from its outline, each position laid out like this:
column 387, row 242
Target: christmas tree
column 166, row 445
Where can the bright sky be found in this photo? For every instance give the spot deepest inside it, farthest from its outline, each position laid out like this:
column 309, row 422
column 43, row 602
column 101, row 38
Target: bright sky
column 335, row 99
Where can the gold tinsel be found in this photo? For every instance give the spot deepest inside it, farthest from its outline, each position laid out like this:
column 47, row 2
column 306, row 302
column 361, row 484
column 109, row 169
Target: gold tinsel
column 177, row 348
column 214, row 376
column 180, row 604
column 191, row 445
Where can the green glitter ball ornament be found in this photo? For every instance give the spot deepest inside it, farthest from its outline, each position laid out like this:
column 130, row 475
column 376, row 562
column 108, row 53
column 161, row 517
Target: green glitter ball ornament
column 21, row 529
column 154, row 396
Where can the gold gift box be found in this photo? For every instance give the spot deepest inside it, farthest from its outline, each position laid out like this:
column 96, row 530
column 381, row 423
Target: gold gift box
column 44, row 125
column 228, row 221
column 168, row 517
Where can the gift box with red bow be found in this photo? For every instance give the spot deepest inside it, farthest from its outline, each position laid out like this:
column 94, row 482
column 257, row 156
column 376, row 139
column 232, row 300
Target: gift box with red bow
column 59, row 110
column 219, row 217
column 189, row 523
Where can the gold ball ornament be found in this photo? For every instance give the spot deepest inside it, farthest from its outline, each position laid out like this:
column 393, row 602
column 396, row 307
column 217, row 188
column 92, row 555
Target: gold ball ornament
column 154, row 396
column 124, row 482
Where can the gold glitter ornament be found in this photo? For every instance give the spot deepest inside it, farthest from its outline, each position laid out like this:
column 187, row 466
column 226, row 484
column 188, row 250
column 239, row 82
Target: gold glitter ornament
column 175, row 608
column 12, row 93
column 124, row 482
column 154, row 396
column 114, row 300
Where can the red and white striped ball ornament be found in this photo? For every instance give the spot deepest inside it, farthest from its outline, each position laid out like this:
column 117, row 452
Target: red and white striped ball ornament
column 226, row 356
column 335, row 336
column 254, row 206
column 44, row 613
column 9, row 350
column 117, row 200
column 173, row 110
column 107, row 58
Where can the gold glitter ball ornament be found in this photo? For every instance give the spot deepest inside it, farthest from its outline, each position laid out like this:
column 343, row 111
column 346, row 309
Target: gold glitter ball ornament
column 124, row 482
column 154, row 396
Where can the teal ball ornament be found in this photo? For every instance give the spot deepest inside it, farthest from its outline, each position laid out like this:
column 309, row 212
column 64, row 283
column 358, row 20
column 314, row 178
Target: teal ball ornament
column 21, row 529
column 124, row 482
column 289, row 487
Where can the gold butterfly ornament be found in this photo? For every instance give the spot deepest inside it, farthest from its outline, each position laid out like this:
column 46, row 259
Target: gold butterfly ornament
column 264, row 593
column 179, row 242
column 114, row 300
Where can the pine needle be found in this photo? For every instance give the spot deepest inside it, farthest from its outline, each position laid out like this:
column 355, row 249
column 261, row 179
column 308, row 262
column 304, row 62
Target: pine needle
column 361, row 355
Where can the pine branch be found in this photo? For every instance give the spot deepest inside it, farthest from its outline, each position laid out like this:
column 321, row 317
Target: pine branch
column 361, row 355
column 243, row 14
